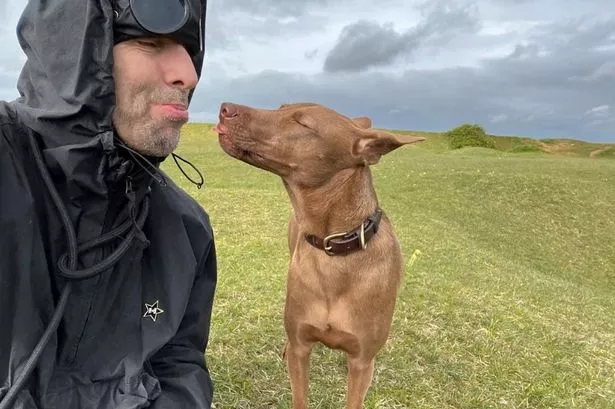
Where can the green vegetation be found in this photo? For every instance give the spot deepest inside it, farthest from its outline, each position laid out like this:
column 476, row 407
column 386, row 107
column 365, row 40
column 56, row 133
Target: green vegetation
column 510, row 305
column 469, row 135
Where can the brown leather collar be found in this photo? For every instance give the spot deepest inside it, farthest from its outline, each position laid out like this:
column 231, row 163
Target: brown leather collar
column 343, row 243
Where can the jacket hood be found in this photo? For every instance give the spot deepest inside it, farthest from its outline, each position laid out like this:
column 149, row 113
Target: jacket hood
column 66, row 86
column 67, row 99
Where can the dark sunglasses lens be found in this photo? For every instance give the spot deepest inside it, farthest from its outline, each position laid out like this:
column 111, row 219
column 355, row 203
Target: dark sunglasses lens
column 160, row 16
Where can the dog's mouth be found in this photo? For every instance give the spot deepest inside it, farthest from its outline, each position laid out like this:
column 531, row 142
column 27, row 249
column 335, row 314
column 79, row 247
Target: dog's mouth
column 232, row 148
column 226, row 142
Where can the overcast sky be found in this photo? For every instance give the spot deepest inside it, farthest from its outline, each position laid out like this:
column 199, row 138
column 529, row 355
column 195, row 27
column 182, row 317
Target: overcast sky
column 541, row 68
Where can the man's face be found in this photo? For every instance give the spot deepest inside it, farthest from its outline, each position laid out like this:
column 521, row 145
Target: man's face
column 153, row 78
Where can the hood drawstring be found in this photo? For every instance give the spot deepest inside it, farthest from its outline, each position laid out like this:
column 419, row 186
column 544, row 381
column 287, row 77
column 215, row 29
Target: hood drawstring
column 142, row 161
column 155, row 172
column 67, row 265
column 198, row 184
column 136, row 222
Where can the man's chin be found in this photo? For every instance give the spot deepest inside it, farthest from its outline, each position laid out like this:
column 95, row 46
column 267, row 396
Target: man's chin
column 163, row 147
column 159, row 143
column 156, row 137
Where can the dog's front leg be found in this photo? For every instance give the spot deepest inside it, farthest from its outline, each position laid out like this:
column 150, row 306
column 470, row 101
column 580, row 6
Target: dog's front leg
column 298, row 361
column 360, row 373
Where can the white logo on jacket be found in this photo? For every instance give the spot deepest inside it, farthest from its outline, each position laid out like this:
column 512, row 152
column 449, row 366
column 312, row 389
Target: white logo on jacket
column 152, row 311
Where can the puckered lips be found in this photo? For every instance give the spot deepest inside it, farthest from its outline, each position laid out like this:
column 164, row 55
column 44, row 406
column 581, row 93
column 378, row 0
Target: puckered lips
column 172, row 111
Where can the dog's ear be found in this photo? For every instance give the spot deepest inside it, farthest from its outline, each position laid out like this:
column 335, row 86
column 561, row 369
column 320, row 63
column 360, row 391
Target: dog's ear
column 372, row 145
column 362, row 122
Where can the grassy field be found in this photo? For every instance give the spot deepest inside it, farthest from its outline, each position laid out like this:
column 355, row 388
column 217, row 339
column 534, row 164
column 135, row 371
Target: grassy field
column 510, row 305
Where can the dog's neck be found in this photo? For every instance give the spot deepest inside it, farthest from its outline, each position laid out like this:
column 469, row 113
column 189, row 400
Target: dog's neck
column 339, row 205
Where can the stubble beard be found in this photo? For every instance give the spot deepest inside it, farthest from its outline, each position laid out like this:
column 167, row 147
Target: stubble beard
column 150, row 136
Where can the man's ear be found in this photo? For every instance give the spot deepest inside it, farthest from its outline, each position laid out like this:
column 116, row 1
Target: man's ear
column 371, row 146
column 362, row 122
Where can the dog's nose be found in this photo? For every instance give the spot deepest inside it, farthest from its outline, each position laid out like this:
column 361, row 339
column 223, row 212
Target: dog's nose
column 228, row 110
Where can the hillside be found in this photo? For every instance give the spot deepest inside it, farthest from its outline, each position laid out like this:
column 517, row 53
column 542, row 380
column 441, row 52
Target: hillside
column 508, row 305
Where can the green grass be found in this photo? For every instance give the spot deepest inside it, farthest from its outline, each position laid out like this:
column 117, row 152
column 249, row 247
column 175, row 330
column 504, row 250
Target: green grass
column 438, row 143
column 510, row 305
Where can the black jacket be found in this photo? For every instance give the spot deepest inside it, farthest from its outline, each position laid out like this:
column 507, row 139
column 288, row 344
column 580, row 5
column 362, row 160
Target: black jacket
column 134, row 334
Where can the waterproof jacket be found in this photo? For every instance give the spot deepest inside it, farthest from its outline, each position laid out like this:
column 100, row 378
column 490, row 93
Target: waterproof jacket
column 134, row 334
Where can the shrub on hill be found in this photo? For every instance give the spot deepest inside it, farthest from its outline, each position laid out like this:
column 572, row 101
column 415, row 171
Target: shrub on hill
column 606, row 153
column 469, row 135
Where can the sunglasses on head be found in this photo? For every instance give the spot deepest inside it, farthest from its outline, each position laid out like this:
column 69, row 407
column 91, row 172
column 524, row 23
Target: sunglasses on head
column 166, row 17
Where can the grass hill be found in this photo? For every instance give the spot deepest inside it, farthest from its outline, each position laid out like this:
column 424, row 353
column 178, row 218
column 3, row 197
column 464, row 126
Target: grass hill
column 438, row 142
column 510, row 303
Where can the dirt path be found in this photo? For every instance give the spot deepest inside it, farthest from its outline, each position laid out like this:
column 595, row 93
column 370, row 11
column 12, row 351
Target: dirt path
column 596, row 152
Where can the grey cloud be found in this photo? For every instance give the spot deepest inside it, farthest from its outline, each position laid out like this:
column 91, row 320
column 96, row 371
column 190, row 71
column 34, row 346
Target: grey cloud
column 230, row 24
column 514, row 2
column 366, row 44
column 579, row 34
column 229, row 28
column 10, row 61
column 603, row 71
column 543, row 10
column 446, row 16
column 296, row 8
column 311, row 54
column 11, row 55
column 558, row 82
column 543, row 89
column 7, row 86
column 428, row 100
column 579, row 54
column 277, row 8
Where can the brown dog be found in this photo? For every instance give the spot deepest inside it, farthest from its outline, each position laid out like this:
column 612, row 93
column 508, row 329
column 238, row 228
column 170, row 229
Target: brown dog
column 345, row 260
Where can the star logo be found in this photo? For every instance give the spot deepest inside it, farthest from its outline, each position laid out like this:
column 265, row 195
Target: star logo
column 152, row 311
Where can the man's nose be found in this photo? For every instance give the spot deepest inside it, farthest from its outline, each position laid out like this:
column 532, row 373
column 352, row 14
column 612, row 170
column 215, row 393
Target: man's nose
column 179, row 69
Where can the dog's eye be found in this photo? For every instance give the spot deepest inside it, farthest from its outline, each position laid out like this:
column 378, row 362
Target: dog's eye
column 304, row 120
column 303, row 124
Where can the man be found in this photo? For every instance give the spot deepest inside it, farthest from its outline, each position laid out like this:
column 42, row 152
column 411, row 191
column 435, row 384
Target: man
column 107, row 268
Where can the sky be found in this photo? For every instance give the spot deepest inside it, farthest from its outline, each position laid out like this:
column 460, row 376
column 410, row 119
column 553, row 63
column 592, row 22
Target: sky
column 538, row 68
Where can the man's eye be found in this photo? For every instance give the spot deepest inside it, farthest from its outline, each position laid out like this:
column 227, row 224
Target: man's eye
column 148, row 43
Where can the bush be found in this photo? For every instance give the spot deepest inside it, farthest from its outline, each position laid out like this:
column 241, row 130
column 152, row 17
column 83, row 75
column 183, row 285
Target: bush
column 607, row 153
column 469, row 135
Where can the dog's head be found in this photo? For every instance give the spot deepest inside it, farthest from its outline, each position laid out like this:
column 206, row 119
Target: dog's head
column 305, row 143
